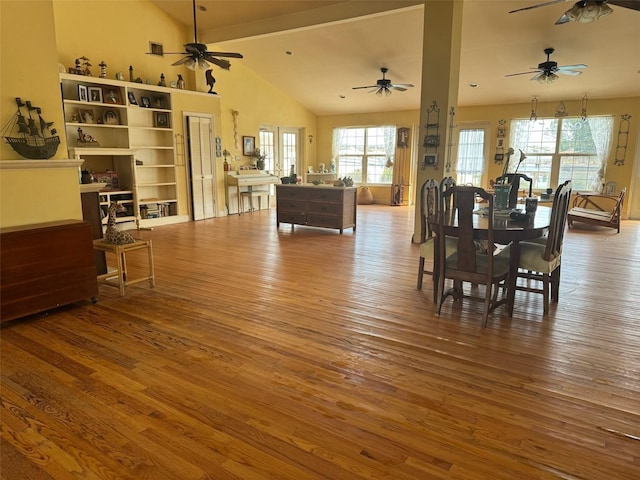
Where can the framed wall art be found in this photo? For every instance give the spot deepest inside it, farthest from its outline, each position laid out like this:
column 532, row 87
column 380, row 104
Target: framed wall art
column 248, row 145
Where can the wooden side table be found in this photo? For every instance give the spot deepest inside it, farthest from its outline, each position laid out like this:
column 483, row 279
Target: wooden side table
column 119, row 278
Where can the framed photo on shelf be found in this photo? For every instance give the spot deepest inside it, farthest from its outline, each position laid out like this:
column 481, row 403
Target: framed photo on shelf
column 112, row 95
column 111, row 117
column 132, row 99
column 95, row 94
column 83, row 96
column 161, row 119
column 86, row 115
column 248, row 145
column 158, row 102
column 145, row 102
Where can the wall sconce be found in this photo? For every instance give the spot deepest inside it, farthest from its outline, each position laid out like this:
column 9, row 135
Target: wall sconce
column 310, row 138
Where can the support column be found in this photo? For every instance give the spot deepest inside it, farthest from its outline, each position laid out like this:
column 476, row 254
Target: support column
column 442, row 38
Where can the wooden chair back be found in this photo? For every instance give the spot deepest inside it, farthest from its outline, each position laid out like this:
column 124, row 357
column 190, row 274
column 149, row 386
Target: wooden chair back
column 558, row 222
column 463, row 202
column 445, row 185
column 429, row 202
column 514, row 179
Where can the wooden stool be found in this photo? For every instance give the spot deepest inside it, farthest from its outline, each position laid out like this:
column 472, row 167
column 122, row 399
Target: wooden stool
column 119, row 251
column 251, row 194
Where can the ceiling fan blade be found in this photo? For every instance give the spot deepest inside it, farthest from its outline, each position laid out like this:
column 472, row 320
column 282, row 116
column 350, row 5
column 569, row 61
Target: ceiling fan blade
column 538, row 76
column 552, row 2
column 225, row 54
column 224, row 64
column 368, row 86
column 404, row 85
column 181, row 61
column 632, row 4
column 398, row 88
column 523, row 73
column 577, row 66
column 572, row 73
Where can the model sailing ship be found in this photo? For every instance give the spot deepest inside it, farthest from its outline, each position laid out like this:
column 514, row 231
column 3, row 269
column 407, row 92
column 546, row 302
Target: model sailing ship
column 31, row 137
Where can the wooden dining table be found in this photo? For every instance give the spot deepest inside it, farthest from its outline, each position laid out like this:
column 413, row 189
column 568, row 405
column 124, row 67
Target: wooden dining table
column 507, row 231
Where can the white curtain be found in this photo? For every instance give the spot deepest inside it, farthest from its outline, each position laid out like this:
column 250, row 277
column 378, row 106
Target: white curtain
column 601, row 131
column 470, row 146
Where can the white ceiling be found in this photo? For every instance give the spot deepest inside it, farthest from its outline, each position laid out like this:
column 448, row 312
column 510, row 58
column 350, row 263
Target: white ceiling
column 327, row 60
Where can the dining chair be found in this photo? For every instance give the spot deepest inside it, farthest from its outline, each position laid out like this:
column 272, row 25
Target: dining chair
column 429, row 202
column 514, row 179
column 467, row 264
column 540, row 261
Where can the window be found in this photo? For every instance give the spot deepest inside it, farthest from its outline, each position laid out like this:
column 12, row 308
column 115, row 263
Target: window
column 470, row 157
column 366, row 154
column 560, row 149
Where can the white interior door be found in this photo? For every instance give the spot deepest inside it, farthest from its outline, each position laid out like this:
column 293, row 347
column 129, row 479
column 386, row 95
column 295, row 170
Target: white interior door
column 201, row 166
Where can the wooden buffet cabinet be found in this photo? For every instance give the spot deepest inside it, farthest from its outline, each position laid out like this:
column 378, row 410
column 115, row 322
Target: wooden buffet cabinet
column 317, row 206
column 45, row 265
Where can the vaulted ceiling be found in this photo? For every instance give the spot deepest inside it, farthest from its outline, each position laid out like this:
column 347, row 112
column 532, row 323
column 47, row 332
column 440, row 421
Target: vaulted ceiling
column 316, row 51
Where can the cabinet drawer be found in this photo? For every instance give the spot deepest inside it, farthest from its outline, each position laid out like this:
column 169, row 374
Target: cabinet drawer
column 292, row 217
column 323, row 220
column 290, row 193
column 325, row 208
column 291, row 205
column 325, row 195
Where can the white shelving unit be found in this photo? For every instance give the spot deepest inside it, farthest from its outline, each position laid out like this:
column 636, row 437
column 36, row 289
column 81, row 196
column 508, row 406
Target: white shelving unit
column 134, row 140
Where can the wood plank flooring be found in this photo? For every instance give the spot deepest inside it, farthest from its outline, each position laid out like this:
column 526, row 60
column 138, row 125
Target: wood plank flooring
column 267, row 353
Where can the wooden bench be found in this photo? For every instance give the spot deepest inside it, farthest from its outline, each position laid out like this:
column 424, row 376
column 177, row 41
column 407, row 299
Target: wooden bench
column 597, row 209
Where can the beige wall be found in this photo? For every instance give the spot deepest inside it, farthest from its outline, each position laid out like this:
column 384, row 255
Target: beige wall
column 29, row 70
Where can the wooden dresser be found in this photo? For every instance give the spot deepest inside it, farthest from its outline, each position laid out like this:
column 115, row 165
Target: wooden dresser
column 317, row 206
column 45, row 265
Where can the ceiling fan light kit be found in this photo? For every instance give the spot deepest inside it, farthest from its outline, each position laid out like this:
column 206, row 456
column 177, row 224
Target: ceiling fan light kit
column 547, row 71
column 384, row 86
column 588, row 11
column 197, row 55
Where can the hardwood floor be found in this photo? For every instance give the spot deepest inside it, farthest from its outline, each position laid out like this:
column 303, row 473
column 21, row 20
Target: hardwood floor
column 266, row 353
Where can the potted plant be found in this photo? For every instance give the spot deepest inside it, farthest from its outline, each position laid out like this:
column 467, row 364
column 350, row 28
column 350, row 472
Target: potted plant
column 260, row 158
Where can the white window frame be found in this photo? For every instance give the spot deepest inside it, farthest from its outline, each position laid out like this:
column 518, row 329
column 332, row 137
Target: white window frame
column 362, row 157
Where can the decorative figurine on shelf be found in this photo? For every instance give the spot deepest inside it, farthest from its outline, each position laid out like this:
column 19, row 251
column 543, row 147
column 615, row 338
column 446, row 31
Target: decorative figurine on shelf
column 120, row 76
column 180, row 82
column 103, row 69
column 211, row 81
column 162, row 82
column 30, row 137
column 112, row 234
column 78, row 69
column 85, row 66
column 85, row 140
column 131, row 73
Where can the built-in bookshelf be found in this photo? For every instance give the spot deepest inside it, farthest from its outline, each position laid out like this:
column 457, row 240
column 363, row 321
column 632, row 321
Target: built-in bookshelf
column 125, row 129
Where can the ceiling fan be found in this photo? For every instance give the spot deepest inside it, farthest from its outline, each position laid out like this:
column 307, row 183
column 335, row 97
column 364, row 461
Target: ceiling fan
column 586, row 11
column 197, row 54
column 547, row 71
column 385, row 86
